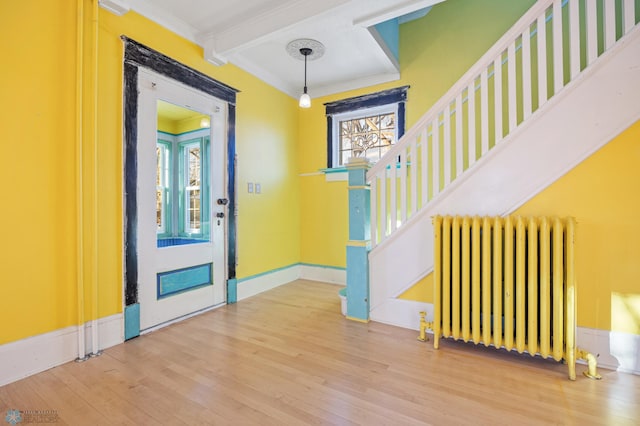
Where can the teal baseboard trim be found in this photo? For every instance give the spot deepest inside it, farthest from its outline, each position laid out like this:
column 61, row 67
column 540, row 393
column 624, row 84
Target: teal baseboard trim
column 232, row 290
column 293, row 265
column 315, row 265
column 131, row 321
column 262, row 274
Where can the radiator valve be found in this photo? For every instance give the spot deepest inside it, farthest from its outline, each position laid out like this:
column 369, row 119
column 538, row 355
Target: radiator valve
column 592, row 363
column 423, row 327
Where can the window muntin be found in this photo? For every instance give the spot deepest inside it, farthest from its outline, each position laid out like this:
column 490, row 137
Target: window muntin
column 163, row 158
column 192, row 179
column 369, row 135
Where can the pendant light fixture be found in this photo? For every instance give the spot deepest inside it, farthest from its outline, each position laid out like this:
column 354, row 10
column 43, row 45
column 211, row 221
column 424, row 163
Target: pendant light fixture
column 307, row 50
column 305, row 99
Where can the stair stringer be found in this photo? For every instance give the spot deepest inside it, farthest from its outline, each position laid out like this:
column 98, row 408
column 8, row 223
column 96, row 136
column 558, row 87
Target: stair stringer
column 583, row 117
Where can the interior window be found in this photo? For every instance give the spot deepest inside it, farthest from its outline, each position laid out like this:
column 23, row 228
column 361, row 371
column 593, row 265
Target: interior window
column 364, row 126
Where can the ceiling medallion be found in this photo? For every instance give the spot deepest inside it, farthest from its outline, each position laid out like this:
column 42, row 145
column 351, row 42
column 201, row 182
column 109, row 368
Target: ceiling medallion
column 317, row 49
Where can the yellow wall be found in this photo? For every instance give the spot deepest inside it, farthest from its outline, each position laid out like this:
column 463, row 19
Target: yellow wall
column 434, row 52
column 40, row 264
column 601, row 194
column 37, row 168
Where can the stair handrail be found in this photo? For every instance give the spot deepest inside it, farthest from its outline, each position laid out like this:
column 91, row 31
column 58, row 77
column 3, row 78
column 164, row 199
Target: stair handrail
column 463, row 82
column 403, row 164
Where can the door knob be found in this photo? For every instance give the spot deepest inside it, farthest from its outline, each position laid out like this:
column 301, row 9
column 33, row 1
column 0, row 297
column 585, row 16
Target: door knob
column 223, row 201
column 220, row 215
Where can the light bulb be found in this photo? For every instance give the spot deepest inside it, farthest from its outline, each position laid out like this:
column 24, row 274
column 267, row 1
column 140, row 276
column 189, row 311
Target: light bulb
column 305, row 100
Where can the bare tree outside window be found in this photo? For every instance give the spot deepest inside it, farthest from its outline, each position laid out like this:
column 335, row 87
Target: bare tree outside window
column 370, row 137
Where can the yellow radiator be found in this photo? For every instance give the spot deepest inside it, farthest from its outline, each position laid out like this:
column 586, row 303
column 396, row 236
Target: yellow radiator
column 507, row 282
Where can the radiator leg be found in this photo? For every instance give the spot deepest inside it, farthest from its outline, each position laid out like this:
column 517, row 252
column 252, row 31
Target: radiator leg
column 424, row 325
column 592, row 364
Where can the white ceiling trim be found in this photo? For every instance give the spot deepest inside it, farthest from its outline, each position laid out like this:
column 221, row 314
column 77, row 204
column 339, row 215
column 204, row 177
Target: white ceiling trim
column 358, row 83
column 253, row 36
column 160, row 16
column 254, row 30
column 117, row 7
column 393, row 12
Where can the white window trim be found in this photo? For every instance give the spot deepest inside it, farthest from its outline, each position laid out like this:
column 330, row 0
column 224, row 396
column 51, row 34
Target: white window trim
column 359, row 113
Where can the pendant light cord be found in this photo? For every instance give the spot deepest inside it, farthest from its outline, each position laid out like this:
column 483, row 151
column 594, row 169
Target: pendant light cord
column 305, row 73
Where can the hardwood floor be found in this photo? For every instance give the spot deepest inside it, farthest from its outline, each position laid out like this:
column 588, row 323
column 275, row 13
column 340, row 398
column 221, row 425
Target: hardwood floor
column 288, row 357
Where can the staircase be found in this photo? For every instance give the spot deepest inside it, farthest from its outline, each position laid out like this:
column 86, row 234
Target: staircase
column 524, row 115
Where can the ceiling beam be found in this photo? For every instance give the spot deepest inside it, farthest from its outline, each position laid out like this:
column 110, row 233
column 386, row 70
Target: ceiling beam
column 394, row 11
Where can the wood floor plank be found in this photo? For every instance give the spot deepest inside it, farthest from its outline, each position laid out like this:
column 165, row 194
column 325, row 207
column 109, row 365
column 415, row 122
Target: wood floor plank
column 288, row 357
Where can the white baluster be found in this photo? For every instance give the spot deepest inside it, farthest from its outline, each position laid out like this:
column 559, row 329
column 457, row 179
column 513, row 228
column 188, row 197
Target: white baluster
column 609, row 24
column 384, row 208
column 424, row 167
column 628, row 9
column 374, row 211
column 446, row 144
column 413, row 174
column 497, row 85
column 558, row 65
column 393, row 195
column 471, row 108
column 574, row 38
column 526, row 73
column 459, row 136
column 592, row 31
column 511, row 92
column 435, row 146
column 403, row 185
column 542, row 60
column 484, row 112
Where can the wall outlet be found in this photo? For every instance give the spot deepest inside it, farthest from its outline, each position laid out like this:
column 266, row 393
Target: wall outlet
column 258, row 188
column 250, row 187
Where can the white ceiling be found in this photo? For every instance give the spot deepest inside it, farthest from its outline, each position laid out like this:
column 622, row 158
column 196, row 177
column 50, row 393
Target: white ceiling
column 253, row 34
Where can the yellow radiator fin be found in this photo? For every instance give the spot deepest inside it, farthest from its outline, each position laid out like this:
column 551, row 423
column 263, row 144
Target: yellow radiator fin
column 532, row 286
column 486, row 280
column 520, row 286
column 545, row 298
column 497, row 282
column 508, row 283
column 475, row 280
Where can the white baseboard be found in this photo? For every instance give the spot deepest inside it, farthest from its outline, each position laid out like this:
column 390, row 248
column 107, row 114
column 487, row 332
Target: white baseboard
column 323, row 274
column 401, row 313
column 614, row 350
column 251, row 286
column 39, row 353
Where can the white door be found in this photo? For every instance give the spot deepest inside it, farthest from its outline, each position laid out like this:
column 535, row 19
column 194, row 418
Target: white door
column 181, row 198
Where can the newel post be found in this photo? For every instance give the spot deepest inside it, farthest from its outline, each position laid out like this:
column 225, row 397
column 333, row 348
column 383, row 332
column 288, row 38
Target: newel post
column 359, row 241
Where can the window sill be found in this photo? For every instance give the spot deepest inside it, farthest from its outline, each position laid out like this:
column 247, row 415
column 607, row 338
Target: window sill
column 335, row 174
